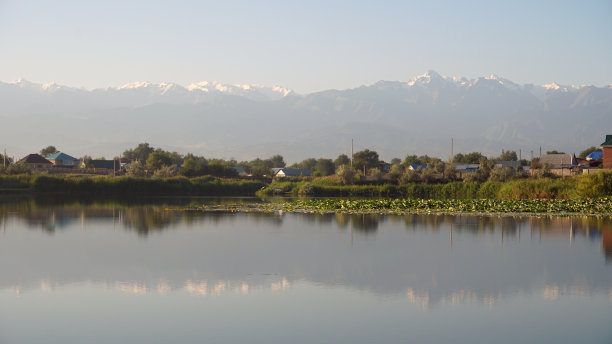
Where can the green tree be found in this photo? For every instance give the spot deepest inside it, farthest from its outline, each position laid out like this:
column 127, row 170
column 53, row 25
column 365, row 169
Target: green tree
column 277, row 161
column 471, row 158
column 342, row 159
column 308, row 164
column 165, row 172
column 86, row 159
column 554, row 152
column 135, row 169
column 157, row 159
column 140, row 153
column 346, row 174
column 45, row 152
column 324, row 167
column 418, row 160
column 396, row 172
column 411, row 176
column 194, row 166
column 376, row 173
column 507, row 156
column 502, row 174
column 365, row 158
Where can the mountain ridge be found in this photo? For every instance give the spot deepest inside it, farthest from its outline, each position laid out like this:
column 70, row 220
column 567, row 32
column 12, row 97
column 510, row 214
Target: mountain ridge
column 395, row 118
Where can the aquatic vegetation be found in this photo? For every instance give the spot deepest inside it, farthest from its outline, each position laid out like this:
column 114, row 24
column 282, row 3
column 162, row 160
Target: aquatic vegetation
column 591, row 206
column 547, row 206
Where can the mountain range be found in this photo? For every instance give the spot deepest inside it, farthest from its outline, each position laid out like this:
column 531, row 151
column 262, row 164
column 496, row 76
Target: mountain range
column 420, row 116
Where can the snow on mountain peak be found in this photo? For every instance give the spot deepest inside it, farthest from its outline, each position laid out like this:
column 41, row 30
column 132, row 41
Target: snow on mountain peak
column 133, row 85
column 552, row 86
column 21, row 82
column 427, row 78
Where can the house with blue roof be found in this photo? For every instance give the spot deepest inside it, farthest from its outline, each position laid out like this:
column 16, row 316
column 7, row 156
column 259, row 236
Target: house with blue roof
column 64, row 160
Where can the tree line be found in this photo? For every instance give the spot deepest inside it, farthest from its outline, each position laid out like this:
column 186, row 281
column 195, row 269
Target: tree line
column 145, row 160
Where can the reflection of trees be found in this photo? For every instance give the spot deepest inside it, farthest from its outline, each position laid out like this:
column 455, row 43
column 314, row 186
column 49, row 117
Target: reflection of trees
column 146, row 219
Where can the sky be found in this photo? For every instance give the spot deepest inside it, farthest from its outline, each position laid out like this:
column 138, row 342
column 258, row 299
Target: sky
column 306, row 46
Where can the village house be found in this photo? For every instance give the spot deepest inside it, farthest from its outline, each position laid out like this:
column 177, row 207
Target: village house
column 102, row 165
column 290, row 172
column 414, row 167
column 63, row 160
column 560, row 164
column 36, row 162
column 606, row 147
column 462, row 169
column 241, row 172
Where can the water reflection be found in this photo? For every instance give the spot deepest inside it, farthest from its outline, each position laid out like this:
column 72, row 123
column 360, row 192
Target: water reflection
column 427, row 259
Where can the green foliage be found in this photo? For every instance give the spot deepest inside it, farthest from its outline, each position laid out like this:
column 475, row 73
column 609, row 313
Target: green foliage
column 501, row 174
column 595, row 184
column 346, row 174
column 158, row 159
column 413, row 159
column 342, row 159
column 538, row 188
column 205, row 185
column 17, row 168
column 277, row 161
column 21, row 181
column 135, row 169
column 165, row 172
column 324, row 167
column 396, row 172
column 365, row 158
column 140, row 153
column 507, row 156
column 45, row 152
column 471, row 158
column 554, row 152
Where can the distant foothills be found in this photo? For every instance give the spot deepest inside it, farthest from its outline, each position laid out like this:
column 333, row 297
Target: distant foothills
column 394, row 118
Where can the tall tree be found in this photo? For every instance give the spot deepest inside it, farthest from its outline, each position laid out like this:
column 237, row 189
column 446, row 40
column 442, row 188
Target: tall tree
column 365, row 158
column 45, row 152
column 324, row 167
column 277, row 161
column 342, row 159
column 140, row 153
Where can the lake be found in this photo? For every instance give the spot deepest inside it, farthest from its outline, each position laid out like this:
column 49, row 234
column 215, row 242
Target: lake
column 135, row 271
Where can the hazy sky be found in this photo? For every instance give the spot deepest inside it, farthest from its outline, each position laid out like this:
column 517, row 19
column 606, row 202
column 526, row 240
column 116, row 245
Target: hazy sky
column 304, row 45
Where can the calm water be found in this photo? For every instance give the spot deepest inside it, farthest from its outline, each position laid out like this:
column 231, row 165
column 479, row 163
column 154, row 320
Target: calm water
column 135, row 272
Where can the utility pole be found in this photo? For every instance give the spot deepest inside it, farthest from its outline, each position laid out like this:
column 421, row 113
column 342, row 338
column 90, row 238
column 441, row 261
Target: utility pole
column 4, row 159
column 351, row 153
column 450, row 159
column 520, row 155
column 540, row 151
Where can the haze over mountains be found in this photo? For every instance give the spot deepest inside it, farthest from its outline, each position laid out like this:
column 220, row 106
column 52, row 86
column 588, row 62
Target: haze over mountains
column 485, row 114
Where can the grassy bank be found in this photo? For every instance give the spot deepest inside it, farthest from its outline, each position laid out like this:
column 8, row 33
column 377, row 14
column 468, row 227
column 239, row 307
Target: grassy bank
column 207, row 185
column 584, row 186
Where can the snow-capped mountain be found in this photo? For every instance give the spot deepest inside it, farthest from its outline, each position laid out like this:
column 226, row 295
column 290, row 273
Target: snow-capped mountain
column 395, row 118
